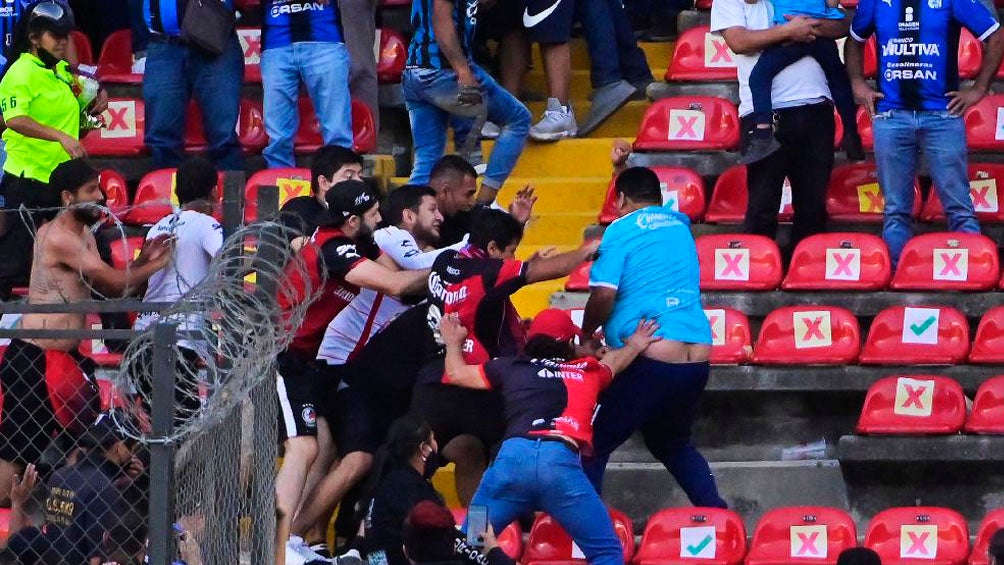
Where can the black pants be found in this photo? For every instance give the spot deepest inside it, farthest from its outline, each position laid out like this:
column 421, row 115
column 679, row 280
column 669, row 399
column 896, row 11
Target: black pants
column 806, row 158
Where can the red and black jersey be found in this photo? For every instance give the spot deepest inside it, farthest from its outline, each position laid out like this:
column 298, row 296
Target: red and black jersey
column 477, row 288
column 548, row 397
column 329, row 249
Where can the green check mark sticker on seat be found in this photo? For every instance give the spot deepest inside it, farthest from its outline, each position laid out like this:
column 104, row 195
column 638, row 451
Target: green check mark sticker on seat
column 919, row 329
column 697, row 549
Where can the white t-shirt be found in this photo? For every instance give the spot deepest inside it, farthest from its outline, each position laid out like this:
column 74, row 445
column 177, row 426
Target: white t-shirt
column 199, row 239
column 371, row 311
column 799, row 83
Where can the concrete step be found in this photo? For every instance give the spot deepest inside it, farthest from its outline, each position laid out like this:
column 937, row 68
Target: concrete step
column 624, row 123
column 560, row 195
column 557, row 229
column 532, row 299
column 569, row 158
column 580, row 85
column 657, row 54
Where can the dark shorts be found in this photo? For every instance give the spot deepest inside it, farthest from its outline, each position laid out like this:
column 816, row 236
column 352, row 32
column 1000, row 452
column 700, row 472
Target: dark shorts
column 500, row 20
column 452, row 411
column 548, row 21
column 44, row 392
column 361, row 417
column 296, row 385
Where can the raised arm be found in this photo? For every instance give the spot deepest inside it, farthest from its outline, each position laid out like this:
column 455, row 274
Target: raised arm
column 374, row 276
column 634, row 345
column 458, row 372
column 560, row 265
column 77, row 256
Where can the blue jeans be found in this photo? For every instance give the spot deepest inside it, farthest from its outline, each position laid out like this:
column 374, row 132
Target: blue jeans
column 614, row 54
column 661, row 400
column 175, row 73
column 900, row 135
column 532, row 474
column 324, row 69
column 431, row 98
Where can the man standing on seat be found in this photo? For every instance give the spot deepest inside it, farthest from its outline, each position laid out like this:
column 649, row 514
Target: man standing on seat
column 303, row 41
column 441, row 80
column 921, row 104
column 647, row 269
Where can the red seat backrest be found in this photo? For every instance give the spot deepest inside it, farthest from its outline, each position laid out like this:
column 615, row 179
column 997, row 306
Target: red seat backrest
column 865, row 129
column 988, row 347
column 250, row 127
column 549, row 543
column 731, row 337
column 917, row 335
column 983, row 123
column 155, row 197
column 912, row 535
column 392, row 55
column 125, row 250
column 839, row 261
column 815, row 335
column 700, row 55
column 731, row 197
column 292, row 182
column 711, row 536
column 947, row 261
column 983, row 181
column 682, row 190
column 913, row 405
column 992, row 522
column 122, row 135
column 308, row 136
column 854, row 194
column 987, row 416
column 85, row 53
column 684, row 123
column 578, row 280
column 115, row 60
column 801, row 534
column 116, row 192
column 738, row 262
column 250, row 38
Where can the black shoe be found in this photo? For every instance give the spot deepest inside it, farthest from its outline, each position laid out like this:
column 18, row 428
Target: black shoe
column 760, row 148
column 851, row 144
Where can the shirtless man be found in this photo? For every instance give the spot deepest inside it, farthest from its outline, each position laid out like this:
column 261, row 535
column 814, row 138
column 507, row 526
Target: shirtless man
column 45, row 386
column 647, row 269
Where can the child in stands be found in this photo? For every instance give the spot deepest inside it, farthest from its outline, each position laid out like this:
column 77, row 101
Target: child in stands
column 775, row 58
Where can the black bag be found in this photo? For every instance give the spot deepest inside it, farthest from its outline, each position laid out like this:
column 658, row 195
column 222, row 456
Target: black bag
column 208, row 25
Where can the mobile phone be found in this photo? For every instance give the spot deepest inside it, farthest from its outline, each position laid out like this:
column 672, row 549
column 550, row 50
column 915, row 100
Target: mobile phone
column 477, row 525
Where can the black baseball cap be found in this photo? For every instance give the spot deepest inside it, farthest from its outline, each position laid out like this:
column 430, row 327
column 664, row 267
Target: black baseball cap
column 51, row 16
column 102, row 433
column 349, row 198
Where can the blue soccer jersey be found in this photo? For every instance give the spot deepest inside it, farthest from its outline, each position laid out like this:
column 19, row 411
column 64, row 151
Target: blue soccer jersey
column 423, row 51
column 918, row 43
column 650, row 258
column 293, row 21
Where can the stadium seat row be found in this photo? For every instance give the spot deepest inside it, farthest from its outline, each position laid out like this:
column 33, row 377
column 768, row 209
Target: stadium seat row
column 783, row 536
column 708, row 123
column 702, row 56
column 940, row 262
column 931, row 405
column 122, row 135
column 853, row 195
column 115, row 61
column 830, row 335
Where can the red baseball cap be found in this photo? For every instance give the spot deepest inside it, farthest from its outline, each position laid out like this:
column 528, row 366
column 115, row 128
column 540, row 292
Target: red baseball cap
column 554, row 323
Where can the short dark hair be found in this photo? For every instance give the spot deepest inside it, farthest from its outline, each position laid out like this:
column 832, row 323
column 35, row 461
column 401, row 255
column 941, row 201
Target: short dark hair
column 996, row 546
column 495, row 225
column 452, row 165
column 640, row 184
column 859, row 556
column 546, row 347
column 428, row 533
column 70, row 176
column 195, row 179
column 328, row 160
column 407, row 197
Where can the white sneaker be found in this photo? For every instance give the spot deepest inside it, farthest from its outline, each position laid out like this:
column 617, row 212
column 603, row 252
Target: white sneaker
column 298, row 553
column 490, row 131
column 139, row 66
column 558, row 123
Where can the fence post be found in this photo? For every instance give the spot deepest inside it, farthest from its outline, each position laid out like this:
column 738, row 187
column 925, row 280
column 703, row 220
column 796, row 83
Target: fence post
column 161, row 532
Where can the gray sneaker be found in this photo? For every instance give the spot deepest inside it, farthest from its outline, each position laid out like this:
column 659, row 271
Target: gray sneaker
column 606, row 101
column 490, row 131
column 558, row 123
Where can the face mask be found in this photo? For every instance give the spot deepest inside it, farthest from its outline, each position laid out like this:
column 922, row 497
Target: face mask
column 48, row 59
column 431, row 465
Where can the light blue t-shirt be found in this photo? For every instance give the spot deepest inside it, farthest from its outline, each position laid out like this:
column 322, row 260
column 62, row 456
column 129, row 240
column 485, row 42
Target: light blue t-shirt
column 650, row 258
column 810, row 8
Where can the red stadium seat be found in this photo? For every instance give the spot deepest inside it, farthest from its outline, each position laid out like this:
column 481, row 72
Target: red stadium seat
column 802, row 534
column 510, row 540
column 708, row 536
column 970, row 56
column 808, row 335
column 111, row 398
column 702, row 5
column 988, row 347
column 984, row 123
column 122, row 135
column 393, row 52
column 990, row 524
column 155, row 198
column 854, row 194
column 96, row 349
column 4, row 521
column 250, row 128
column 987, row 416
column 731, row 196
column 682, row 189
column 700, row 55
column 308, row 136
column 983, row 181
column 578, row 281
column 917, row 335
column 686, row 123
column 731, row 338
column 250, row 38
column 739, row 262
column 115, row 60
column 550, row 544
column 113, row 184
column 839, row 261
column 291, row 182
column 125, row 250
column 935, row 536
column 85, row 53
column 947, row 261
column 865, row 129
column 913, row 405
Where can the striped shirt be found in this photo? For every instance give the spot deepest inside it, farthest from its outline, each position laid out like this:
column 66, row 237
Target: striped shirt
column 423, row 51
